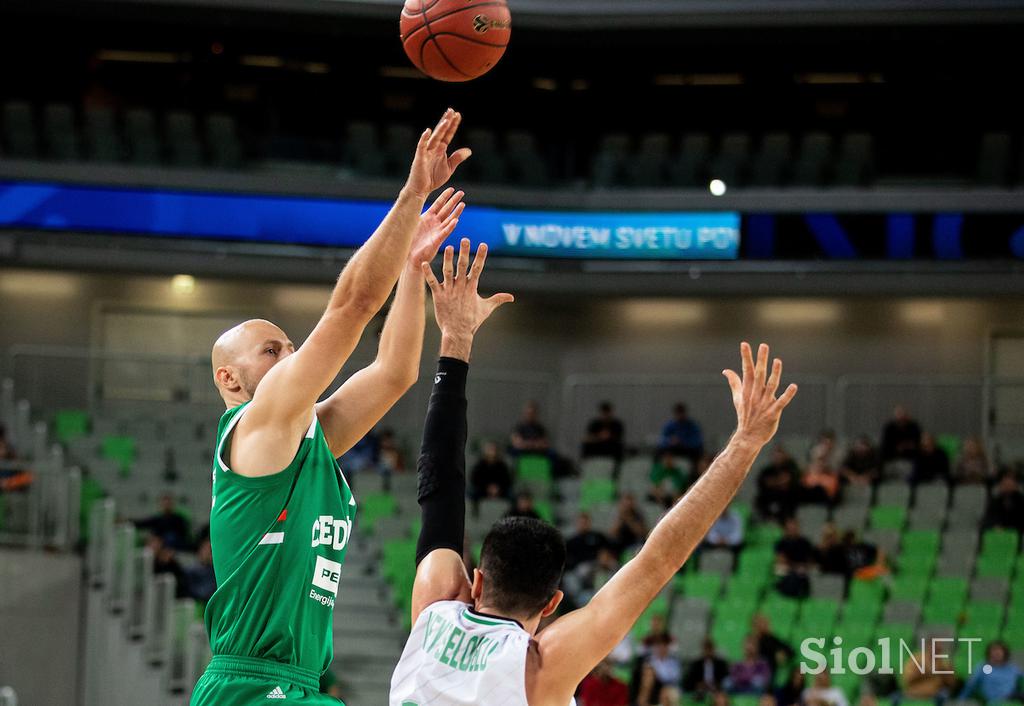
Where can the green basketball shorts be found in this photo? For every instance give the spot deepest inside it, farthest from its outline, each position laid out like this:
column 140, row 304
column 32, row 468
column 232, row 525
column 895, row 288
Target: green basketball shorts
column 244, row 681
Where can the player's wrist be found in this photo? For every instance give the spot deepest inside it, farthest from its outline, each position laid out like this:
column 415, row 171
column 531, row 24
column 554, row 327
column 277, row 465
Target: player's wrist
column 456, row 345
column 412, row 194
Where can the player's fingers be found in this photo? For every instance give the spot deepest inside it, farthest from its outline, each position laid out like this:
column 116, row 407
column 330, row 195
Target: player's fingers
column 735, row 385
column 498, row 300
column 478, row 263
column 785, row 399
column 761, row 368
column 428, row 274
column 438, row 137
column 458, row 157
column 440, row 202
column 773, row 379
column 453, row 218
column 424, row 139
column 747, row 363
column 451, row 128
column 463, row 264
column 452, row 199
column 447, row 266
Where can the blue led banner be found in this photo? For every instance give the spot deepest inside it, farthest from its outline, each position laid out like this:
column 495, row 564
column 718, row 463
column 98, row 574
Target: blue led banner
column 347, row 223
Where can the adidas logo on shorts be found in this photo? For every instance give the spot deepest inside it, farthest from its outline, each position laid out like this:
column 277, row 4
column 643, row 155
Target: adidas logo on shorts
column 276, row 694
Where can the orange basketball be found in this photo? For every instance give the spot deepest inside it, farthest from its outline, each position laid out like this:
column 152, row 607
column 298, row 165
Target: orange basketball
column 455, row 40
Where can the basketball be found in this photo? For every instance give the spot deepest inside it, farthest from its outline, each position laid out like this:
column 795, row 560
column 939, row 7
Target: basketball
column 455, row 40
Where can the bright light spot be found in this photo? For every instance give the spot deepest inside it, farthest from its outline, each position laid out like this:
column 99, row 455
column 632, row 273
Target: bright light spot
column 663, row 312
column 795, row 312
column 38, row 284
column 717, row 187
column 923, row 312
column 183, row 284
column 987, row 669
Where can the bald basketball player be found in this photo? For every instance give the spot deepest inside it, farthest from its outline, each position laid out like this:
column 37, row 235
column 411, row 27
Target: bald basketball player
column 282, row 510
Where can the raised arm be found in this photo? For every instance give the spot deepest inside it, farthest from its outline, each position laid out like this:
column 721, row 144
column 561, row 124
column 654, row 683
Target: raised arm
column 364, row 398
column 283, row 402
column 572, row 645
column 459, row 309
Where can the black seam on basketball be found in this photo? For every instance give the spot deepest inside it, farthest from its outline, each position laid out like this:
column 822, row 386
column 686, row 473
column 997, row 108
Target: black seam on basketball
column 444, row 56
column 453, row 12
column 469, row 39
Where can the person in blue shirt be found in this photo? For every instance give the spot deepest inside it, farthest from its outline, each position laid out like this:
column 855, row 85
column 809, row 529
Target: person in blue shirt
column 682, row 436
column 997, row 678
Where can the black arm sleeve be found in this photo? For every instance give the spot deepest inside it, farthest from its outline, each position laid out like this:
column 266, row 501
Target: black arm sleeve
column 442, row 463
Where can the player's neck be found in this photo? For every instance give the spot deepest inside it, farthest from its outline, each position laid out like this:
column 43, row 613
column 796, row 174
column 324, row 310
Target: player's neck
column 530, row 625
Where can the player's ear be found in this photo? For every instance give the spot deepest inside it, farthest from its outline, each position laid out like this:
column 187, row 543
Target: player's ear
column 552, row 605
column 477, row 589
column 226, row 379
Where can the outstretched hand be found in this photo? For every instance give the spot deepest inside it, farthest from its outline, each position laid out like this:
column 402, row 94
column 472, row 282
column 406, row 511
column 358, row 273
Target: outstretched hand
column 436, row 224
column 458, row 307
column 432, row 167
column 757, row 409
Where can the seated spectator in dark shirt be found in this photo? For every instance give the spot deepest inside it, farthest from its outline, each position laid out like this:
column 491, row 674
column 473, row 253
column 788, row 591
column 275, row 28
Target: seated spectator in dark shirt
column 6, row 447
column 661, row 675
column 490, row 477
column 200, row 582
column 901, row 436
column 523, row 507
column 973, row 466
column 605, row 434
column 751, row 675
column 585, row 544
column 529, row 436
column 669, row 479
column 820, row 484
column 861, row 465
column 825, row 450
column 170, row 525
column 773, row 650
column 1006, row 508
column 705, row 674
column 392, row 458
column 682, row 436
column 791, row 692
column 165, row 562
column 832, row 553
column 860, row 555
column 931, row 464
column 727, row 532
column 794, row 557
column 629, row 528
column 364, row 456
column 778, row 486
column 602, row 688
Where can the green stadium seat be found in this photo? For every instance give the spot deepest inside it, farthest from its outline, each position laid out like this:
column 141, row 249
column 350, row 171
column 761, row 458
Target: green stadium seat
column 888, row 517
column 819, row 609
column 993, row 566
column 374, row 506
column 544, row 509
column 596, row 490
column 534, row 469
column 985, row 611
column 1013, row 635
column 909, row 588
column 764, row 535
column 950, row 591
column 917, row 564
column 938, row 612
column 861, row 592
column 866, row 612
column 895, row 632
column 755, row 561
column 744, row 700
column 780, row 608
column 850, row 684
column 120, row 449
column 698, row 584
column 920, row 542
column 999, row 543
column 744, row 591
column 986, row 630
column 855, row 633
column 950, row 443
column 70, row 424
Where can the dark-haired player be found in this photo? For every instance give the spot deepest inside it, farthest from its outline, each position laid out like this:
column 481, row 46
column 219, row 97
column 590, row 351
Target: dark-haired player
column 476, row 642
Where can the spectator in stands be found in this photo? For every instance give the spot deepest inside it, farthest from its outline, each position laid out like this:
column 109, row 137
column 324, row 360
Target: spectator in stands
column 820, row 483
column 200, row 582
column 169, row 525
column 6, row 447
column 629, row 528
column 582, row 583
column 931, row 464
column 863, row 559
column 669, row 479
column 1006, row 508
column 822, row 693
column 365, row 455
column 861, row 465
column 825, row 450
column 727, row 532
column 973, row 466
column 750, row 675
column 681, row 436
column 926, row 675
column 392, row 459
column 901, row 436
column 583, row 546
column 605, row 434
column 602, row 688
column 661, row 675
column 529, row 435
column 831, row 552
column 777, row 486
column 523, row 507
column 166, row 562
column 706, row 674
column 773, row 650
column 490, row 477
column 791, row 692
column 995, row 680
column 794, row 558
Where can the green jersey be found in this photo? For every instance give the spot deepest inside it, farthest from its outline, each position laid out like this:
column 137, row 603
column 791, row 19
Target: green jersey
column 278, row 545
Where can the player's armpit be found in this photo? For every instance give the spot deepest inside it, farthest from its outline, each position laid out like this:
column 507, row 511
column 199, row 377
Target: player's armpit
column 441, row 576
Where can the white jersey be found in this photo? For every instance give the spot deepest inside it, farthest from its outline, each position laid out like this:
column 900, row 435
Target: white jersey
column 458, row 657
